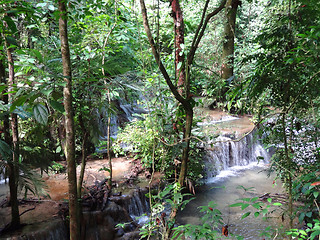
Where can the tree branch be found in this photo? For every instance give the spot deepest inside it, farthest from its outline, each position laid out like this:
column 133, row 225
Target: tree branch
column 201, row 23
column 164, row 72
column 301, row 91
column 201, row 29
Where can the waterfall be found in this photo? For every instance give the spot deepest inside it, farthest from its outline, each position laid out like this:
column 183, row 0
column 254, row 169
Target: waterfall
column 228, row 153
column 135, row 203
column 138, row 204
column 119, row 116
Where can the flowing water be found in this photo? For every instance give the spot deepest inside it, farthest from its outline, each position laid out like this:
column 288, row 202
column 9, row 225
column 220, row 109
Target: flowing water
column 226, row 189
column 234, row 170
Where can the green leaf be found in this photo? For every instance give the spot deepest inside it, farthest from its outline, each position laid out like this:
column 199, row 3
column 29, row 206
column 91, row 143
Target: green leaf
column 56, row 95
column 264, row 211
column 254, row 199
column 245, row 215
column 58, row 149
column 256, row 214
column 269, row 200
column 5, row 151
column 57, row 106
column 315, row 194
column 12, row 41
column 256, row 205
column 40, row 113
column 10, row 23
column 22, row 113
column 277, row 204
column 2, row 87
column 236, row 205
column 244, row 206
column 38, row 55
column 309, row 214
column 19, row 102
column 301, row 217
column 314, row 234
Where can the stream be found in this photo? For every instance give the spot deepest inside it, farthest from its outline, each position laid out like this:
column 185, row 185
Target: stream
column 234, row 169
column 224, row 190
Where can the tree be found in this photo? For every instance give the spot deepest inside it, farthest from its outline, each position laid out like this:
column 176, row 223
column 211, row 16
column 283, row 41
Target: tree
column 14, row 170
column 285, row 78
column 69, row 124
column 7, row 33
column 227, row 67
column 183, row 68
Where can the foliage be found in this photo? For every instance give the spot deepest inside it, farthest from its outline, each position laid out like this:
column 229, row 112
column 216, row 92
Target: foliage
column 57, row 167
column 311, row 232
column 155, row 138
column 210, row 222
column 260, row 207
column 169, row 198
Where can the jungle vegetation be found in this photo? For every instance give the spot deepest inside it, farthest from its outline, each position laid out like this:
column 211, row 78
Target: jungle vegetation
column 63, row 64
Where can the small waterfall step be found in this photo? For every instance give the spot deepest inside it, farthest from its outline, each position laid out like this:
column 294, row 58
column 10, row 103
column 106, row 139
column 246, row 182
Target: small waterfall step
column 228, row 153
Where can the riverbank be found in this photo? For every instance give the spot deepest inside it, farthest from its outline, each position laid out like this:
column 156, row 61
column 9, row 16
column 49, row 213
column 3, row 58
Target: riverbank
column 37, row 213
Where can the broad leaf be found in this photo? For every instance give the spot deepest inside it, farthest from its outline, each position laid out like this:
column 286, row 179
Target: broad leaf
column 277, row 204
column 315, row 234
column 19, row 102
column 244, row 206
column 5, row 151
column 57, row 106
column 22, row 113
column 2, row 87
column 10, row 24
column 40, row 113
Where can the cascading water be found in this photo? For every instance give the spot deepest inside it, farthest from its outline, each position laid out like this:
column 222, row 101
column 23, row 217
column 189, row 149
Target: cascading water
column 228, row 154
column 234, row 170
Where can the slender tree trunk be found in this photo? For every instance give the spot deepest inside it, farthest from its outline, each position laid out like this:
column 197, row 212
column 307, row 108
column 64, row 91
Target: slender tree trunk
column 289, row 169
column 69, row 124
column 228, row 43
column 83, row 155
column 4, row 98
column 109, row 142
column 182, row 87
column 13, row 166
column 179, row 42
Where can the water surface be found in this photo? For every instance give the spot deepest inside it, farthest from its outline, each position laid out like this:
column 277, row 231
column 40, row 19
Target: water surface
column 224, row 190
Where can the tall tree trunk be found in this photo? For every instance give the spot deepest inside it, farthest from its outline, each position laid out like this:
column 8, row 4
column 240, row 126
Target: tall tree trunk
column 13, row 166
column 69, row 124
column 228, row 43
column 179, row 42
column 4, row 98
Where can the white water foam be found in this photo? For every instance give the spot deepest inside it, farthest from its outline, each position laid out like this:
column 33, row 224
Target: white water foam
column 223, row 119
column 234, row 171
